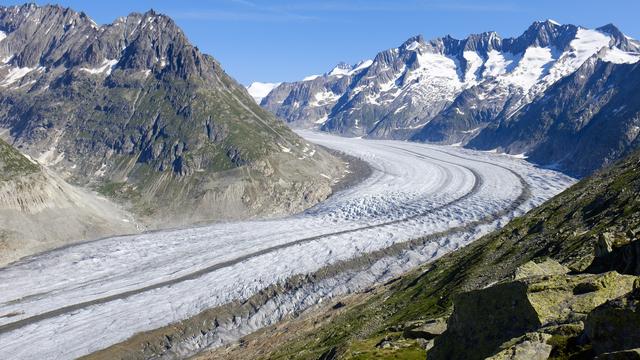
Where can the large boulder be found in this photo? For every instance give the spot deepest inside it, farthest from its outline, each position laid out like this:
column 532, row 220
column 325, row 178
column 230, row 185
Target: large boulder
column 483, row 320
column 624, row 259
column 615, row 325
column 427, row 330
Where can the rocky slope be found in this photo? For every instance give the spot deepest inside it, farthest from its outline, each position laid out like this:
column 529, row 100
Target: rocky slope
column 559, row 282
column 477, row 89
column 40, row 211
column 135, row 111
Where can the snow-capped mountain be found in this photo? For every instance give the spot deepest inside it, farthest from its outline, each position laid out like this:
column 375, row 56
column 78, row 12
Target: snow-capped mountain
column 446, row 90
column 584, row 121
column 258, row 90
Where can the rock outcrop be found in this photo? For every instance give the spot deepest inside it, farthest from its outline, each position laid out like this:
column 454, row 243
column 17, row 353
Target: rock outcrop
column 484, row 320
column 614, row 327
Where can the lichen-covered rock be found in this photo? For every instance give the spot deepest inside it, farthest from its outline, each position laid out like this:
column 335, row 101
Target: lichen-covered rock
column 530, row 346
column 484, row 319
column 546, row 267
column 615, row 325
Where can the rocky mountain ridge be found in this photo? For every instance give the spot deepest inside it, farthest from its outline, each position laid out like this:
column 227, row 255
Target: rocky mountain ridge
column 448, row 90
column 133, row 110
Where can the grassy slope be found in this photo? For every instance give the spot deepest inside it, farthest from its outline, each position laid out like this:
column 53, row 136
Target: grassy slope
column 13, row 164
column 564, row 228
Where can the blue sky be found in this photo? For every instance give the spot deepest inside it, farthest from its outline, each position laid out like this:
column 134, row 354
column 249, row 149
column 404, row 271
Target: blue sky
column 285, row 40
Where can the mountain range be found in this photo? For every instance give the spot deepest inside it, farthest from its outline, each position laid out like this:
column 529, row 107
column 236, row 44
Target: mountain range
column 484, row 92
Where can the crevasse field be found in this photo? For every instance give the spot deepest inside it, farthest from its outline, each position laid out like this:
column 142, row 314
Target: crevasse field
column 79, row 299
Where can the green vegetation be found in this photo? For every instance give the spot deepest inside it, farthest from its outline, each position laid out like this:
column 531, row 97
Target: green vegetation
column 13, row 163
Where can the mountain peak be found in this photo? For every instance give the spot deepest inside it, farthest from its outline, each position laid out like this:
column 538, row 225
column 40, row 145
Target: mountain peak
column 412, row 42
column 619, row 38
column 548, row 33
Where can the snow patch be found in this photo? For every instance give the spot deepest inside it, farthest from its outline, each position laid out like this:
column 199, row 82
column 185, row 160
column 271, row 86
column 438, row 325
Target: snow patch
column 530, row 68
column 361, row 66
column 474, row 63
column 414, row 45
column 322, row 120
column 259, row 90
column 17, row 73
column 324, row 98
column 618, row 56
column 499, row 63
column 106, row 67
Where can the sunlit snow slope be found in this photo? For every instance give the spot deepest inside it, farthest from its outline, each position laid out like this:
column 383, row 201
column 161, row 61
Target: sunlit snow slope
column 79, row 299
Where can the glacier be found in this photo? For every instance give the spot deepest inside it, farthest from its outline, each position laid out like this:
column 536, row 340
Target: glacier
column 79, row 299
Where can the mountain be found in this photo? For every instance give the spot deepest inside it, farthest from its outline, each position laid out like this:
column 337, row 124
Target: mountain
column 310, row 102
column 259, row 90
column 445, row 89
column 585, row 121
column 39, row 210
column 559, row 282
column 134, row 111
column 472, row 91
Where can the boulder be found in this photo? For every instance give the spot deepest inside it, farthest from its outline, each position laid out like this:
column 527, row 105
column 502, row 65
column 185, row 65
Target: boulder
column 483, row 320
column 546, row 267
column 624, row 259
column 615, row 325
column 531, row 346
column 425, row 329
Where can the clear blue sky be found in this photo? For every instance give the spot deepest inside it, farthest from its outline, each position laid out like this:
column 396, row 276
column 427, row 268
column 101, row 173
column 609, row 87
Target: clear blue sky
column 285, row 40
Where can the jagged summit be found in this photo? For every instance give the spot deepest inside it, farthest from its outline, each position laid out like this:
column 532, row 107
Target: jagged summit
column 65, row 38
column 446, row 89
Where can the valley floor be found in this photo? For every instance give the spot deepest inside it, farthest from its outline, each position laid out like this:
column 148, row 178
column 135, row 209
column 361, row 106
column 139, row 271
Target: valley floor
column 83, row 298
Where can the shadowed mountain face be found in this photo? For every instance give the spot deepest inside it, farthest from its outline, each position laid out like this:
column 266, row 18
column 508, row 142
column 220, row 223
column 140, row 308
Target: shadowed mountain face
column 135, row 111
column 459, row 91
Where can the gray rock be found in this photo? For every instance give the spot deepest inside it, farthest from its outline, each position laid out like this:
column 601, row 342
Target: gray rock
column 615, row 325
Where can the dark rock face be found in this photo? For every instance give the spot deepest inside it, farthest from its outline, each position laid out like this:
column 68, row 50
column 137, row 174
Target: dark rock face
column 613, row 326
column 624, row 259
column 133, row 102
